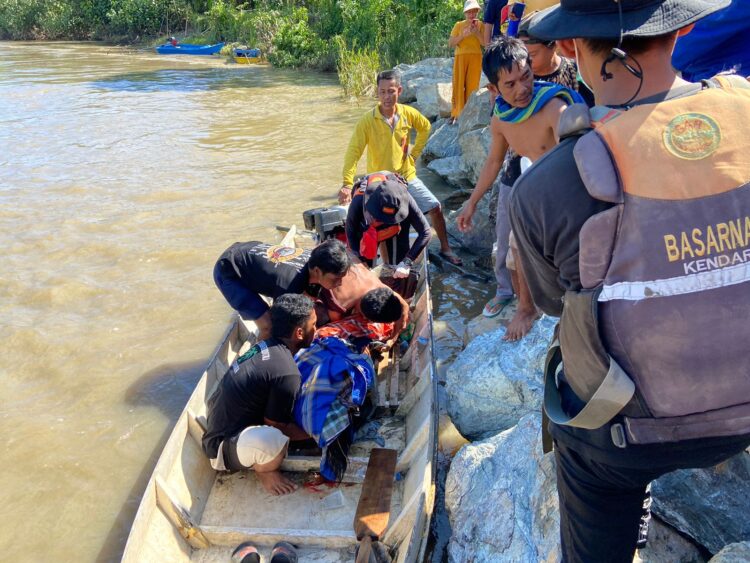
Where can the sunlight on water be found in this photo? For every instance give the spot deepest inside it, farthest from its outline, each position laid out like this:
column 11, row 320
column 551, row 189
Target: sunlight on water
column 123, row 175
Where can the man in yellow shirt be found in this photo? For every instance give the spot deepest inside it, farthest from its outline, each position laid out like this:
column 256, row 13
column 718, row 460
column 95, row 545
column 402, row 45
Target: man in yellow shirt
column 385, row 131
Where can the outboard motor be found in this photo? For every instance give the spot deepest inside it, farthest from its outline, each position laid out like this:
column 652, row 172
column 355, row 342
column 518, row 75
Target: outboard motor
column 326, row 222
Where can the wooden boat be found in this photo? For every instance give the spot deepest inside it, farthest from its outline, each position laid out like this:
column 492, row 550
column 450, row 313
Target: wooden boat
column 189, row 512
column 247, row 56
column 189, row 49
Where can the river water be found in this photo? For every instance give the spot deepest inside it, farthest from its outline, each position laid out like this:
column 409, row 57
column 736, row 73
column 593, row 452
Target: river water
column 123, row 176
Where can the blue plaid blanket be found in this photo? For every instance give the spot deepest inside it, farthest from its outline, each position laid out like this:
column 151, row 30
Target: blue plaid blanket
column 334, row 379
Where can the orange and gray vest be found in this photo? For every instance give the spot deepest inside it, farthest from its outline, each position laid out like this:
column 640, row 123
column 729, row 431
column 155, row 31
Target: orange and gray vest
column 660, row 332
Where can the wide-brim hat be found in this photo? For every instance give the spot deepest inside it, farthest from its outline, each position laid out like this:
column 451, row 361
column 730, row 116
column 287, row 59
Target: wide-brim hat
column 471, row 5
column 600, row 19
column 388, row 202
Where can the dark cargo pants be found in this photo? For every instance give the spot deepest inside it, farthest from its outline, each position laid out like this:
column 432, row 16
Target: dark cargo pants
column 601, row 488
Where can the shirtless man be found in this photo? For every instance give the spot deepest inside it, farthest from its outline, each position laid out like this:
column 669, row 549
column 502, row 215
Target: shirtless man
column 357, row 286
column 250, row 420
column 524, row 119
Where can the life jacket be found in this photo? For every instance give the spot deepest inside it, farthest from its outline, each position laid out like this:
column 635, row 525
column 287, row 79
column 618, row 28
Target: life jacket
column 659, row 333
column 377, row 231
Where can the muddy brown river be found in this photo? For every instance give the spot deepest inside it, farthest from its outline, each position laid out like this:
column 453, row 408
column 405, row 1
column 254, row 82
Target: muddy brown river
column 123, row 176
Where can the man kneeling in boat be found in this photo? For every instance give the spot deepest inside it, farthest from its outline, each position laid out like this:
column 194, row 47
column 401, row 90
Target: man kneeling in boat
column 248, row 270
column 250, row 420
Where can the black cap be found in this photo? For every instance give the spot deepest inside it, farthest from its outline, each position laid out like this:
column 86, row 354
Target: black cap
column 388, row 202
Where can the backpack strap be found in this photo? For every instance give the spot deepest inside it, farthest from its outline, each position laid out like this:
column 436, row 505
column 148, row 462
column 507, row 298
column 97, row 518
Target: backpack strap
column 727, row 81
column 614, row 392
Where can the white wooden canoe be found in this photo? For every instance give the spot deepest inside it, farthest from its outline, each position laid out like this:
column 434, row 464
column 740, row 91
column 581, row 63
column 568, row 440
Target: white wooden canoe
column 189, row 512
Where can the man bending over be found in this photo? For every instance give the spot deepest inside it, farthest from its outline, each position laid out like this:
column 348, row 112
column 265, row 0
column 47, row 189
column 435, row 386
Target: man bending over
column 248, row 270
column 250, row 418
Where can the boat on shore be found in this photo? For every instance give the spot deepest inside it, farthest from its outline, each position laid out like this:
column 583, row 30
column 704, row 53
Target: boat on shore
column 189, row 49
column 189, row 512
column 247, row 56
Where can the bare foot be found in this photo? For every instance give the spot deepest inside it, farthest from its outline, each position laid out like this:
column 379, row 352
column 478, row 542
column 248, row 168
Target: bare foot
column 275, row 483
column 520, row 325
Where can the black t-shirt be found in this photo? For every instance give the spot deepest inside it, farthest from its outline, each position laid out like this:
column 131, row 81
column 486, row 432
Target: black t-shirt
column 268, row 269
column 263, row 383
column 492, row 14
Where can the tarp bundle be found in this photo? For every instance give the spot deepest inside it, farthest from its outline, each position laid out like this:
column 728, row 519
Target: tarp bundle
column 334, row 380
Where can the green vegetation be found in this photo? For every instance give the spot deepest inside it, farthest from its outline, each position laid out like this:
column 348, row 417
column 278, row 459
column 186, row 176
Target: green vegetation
column 354, row 37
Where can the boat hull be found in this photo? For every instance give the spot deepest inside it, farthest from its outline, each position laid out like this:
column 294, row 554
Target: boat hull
column 189, row 49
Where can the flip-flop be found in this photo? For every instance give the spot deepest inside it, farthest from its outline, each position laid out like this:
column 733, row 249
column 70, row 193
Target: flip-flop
column 284, row 552
column 246, row 553
column 495, row 305
column 451, row 258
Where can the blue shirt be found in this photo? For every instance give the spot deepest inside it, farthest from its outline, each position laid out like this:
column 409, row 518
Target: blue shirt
column 718, row 42
column 492, row 15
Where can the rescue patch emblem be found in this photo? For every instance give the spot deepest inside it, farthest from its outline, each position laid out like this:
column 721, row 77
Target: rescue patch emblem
column 280, row 253
column 692, row 136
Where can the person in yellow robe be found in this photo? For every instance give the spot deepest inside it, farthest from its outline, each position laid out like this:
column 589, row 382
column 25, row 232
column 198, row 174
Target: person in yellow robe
column 467, row 38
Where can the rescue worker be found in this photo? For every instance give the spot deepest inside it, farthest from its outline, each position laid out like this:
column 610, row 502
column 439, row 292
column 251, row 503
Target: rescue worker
column 654, row 364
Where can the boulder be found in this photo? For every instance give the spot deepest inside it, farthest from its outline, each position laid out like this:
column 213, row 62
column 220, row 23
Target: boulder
column 450, row 170
column 443, row 141
column 493, row 383
column 445, row 97
column 474, row 148
column 481, row 237
column 427, row 97
column 436, row 70
column 709, row 505
column 501, row 499
column 476, row 113
column 665, row 545
column 733, row 553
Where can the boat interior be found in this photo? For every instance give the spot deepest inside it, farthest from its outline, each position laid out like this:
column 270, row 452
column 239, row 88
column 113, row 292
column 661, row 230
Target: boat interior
column 192, row 513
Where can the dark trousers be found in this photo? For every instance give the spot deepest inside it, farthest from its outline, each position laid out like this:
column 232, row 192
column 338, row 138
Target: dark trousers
column 601, row 488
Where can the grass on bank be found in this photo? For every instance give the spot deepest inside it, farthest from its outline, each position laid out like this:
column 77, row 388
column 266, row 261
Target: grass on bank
column 356, row 38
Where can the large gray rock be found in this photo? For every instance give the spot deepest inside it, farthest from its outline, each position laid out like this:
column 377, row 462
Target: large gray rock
column 450, row 170
column 443, row 141
column 493, row 383
column 427, row 97
column 709, row 505
column 481, row 236
column 474, row 148
column 476, row 113
column 665, row 545
column 436, row 70
column 445, row 98
column 501, row 499
column 733, row 553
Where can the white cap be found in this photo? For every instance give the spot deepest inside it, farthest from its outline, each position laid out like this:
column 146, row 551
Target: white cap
column 471, row 5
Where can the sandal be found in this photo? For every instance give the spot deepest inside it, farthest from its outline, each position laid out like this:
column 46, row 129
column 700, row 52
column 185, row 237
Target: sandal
column 246, row 553
column 495, row 306
column 284, row 552
column 451, row 258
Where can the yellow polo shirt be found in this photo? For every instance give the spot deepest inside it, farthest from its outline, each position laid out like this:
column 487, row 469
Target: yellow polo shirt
column 387, row 148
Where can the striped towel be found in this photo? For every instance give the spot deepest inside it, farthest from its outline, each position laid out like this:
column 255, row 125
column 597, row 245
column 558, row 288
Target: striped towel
column 543, row 93
column 334, row 379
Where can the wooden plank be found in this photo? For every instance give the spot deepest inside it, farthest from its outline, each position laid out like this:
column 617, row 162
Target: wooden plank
column 232, row 536
column 374, row 507
column 179, row 515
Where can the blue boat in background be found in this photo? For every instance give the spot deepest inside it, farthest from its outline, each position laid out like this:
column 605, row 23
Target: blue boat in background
column 188, row 49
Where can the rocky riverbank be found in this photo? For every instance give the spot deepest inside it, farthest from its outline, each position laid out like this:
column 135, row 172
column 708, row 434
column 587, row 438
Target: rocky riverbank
column 500, row 491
